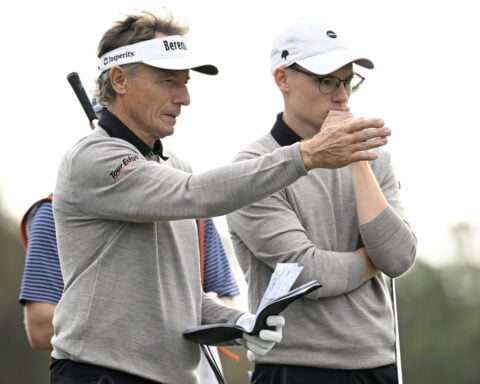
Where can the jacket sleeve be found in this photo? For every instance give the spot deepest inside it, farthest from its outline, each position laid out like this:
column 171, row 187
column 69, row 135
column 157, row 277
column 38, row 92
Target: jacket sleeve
column 389, row 239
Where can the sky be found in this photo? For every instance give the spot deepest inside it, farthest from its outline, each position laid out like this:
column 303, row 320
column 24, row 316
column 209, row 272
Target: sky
column 424, row 85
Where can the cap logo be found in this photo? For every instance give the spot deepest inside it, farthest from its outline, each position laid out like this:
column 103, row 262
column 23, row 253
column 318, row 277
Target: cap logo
column 331, row 34
column 115, row 58
column 174, row 45
column 285, row 54
column 166, row 48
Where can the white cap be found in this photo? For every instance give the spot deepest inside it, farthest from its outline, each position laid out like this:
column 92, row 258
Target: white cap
column 168, row 52
column 314, row 47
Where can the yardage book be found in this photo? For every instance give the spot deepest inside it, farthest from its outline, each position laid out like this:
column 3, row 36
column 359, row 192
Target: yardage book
column 276, row 298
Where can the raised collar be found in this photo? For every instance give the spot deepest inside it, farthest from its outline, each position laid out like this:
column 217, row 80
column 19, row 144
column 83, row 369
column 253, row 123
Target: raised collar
column 115, row 128
column 282, row 133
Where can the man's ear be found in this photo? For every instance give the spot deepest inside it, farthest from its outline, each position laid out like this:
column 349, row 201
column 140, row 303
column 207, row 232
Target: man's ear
column 281, row 78
column 118, row 79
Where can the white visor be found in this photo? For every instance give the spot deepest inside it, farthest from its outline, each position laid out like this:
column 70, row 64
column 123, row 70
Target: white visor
column 168, row 52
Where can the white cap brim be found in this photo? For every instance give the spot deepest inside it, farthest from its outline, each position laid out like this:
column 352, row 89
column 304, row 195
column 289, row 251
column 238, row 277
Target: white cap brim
column 327, row 63
column 181, row 64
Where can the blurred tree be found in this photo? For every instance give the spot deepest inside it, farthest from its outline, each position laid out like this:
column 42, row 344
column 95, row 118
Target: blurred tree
column 439, row 317
column 19, row 363
column 463, row 234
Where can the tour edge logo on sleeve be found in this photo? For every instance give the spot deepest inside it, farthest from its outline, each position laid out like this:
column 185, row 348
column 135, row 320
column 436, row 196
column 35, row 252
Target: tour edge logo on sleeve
column 126, row 161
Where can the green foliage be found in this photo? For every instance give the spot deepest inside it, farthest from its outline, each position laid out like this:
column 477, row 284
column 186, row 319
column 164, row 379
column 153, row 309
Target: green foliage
column 439, row 318
column 19, row 363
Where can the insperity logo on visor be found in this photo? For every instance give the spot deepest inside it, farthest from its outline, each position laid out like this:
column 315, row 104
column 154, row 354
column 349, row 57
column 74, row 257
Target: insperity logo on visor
column 171, row 51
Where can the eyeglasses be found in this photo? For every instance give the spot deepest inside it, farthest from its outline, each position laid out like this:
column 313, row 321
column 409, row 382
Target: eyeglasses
column 329, row 84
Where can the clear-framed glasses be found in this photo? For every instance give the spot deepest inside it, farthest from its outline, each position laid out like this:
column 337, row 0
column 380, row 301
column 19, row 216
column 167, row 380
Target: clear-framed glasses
column 329, row 84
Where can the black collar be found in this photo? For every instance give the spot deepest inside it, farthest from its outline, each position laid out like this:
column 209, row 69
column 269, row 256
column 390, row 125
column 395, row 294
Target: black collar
column 282, row 133
column 115, row 128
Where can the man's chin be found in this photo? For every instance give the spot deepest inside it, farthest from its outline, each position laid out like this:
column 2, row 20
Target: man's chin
column 168, row 130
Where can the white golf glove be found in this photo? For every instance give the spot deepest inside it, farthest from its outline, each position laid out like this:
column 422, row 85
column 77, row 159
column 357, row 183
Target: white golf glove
column 266, row 338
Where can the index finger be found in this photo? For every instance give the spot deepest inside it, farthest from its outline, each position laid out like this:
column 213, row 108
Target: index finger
column 360, row 124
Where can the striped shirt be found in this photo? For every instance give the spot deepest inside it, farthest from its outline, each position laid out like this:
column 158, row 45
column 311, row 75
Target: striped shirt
column 42, row 277
column 218, row 276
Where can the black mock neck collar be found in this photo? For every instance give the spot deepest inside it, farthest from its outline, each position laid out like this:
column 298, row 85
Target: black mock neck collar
column 282, row 133
column 115, row 128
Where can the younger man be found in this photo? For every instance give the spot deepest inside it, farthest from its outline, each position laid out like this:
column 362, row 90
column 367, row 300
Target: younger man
column 345, row 226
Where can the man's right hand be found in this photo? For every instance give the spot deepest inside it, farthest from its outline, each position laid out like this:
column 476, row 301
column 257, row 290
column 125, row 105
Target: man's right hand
column 343, row 141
